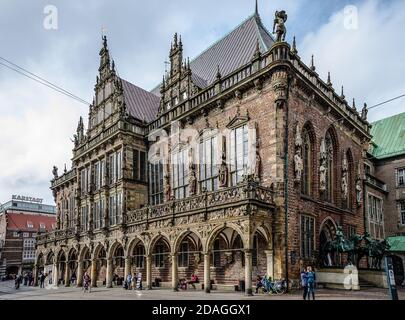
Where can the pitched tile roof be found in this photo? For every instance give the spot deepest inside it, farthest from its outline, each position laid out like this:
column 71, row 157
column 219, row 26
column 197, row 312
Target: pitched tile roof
column 389, row 137
column 19, row 221
column 141, row 104
column 231, row 52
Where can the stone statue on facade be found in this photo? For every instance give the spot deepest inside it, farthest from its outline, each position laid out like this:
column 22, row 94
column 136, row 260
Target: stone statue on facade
column 167, row 188
column 344, row 178
column 298, row 163
column 223, row 170
column 192, row 176
column 359, row 188
column 279, row 25
column 322, row 169
column 258, row 164
column 55, row 172
column 364, row 112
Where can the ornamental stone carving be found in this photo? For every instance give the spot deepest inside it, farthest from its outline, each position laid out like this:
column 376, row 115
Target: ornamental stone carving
column 344, row 185
column 298, row 163
column 359, row 187
column 322, row 169
column 192, row 179
column 279, row 25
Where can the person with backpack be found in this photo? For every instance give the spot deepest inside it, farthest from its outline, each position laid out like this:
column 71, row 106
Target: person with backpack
column 311, row 278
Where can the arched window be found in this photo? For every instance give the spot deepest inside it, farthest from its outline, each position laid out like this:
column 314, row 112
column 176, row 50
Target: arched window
column 306, row 180
column 329, row 162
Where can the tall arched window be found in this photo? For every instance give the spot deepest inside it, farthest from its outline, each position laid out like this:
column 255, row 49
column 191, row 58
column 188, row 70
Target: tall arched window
column 329, row 167
column 306, row 183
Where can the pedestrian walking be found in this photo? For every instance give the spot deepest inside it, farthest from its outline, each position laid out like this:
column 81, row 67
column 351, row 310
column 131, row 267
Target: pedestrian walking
column 86, row 282
column 128, row 282
column 133, row 282
column 42, row 280
column 311, row 278
column 18, row 281
column 304, row 283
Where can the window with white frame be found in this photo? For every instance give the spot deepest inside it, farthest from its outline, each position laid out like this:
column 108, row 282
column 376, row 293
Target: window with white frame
column 208, row 164
column 16, row 234
column 374, row 206
column 112, row 210
column 97, row 175
column 30, row 225
column 42, row 226
column 26, row 235
column 401, row 177
column 239, row 153
column 180, row 174
column 402, row 212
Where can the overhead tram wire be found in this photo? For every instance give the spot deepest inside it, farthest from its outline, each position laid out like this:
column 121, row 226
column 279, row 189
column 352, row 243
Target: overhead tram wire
column 36, row 78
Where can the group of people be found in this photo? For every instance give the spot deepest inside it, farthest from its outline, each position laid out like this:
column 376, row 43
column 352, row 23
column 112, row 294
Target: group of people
column 131, row 282
column 183, row 283
column 27, row 280
column 308, row 278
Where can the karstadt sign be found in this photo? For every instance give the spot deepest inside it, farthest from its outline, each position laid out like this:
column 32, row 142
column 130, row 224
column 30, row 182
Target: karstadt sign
column 27, row 199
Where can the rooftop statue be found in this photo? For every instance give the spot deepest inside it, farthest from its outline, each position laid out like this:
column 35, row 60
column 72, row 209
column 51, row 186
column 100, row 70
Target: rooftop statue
column 279, row 25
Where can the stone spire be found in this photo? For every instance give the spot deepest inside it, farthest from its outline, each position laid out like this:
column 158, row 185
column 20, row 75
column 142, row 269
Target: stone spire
column 294, row 47
column 329, row 83
column 343, row 93
column 176, row 56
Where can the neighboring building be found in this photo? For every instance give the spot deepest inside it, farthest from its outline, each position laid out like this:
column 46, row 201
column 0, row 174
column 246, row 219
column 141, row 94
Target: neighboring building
column 385, row 171
column 197, row 175
column 20, row 222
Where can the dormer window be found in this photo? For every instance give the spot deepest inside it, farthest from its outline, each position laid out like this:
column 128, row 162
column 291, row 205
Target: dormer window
column 30, row 225
column 42, row 225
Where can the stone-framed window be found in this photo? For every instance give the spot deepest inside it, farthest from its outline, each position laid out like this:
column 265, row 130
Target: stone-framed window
column 139, row 165
column 307, row 161
column 401, row 177
column 375, row 208
column 72, row 204
column 239, row 145
column 115, row 209
column 402, row 212
column 98, row 214
column 208, row 169
column 183, row 255
column 307, row 226
column 180, row 174
column 85, row 218
column 156, row 183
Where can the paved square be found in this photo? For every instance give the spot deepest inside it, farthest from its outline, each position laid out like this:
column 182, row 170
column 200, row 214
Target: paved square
column 7, row 292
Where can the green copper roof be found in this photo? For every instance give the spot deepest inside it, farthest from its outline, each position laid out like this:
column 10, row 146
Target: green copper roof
column 389, row 137
column 397, row 244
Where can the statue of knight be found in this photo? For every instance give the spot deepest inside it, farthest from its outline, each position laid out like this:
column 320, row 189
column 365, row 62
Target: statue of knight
column 279, row 22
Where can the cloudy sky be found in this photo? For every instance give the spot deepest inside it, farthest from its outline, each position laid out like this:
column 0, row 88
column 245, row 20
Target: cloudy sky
column 363, row 52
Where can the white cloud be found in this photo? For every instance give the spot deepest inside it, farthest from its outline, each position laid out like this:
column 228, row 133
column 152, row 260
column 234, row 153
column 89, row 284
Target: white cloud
column 367, row 61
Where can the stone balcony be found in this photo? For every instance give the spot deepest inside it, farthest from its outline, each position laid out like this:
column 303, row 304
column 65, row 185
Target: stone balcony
column 244, row 195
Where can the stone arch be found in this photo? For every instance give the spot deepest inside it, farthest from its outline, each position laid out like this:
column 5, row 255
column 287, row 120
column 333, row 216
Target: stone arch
column 155, row 239
column 218, row 230
column 99, row 247
column 328, row 225
column 112, row 249
column 50, row 258
column 61, row 256
column 197, row 240
column 132, row 244
column 327, row 232
column 83, row 252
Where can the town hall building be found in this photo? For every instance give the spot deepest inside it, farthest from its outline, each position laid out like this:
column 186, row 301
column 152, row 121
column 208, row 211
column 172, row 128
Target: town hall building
column 242, row 162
